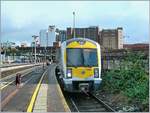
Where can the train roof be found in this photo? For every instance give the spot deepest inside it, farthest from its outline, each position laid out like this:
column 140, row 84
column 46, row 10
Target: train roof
column 78, row 39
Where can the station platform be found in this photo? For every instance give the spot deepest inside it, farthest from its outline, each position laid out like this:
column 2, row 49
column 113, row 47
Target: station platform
column 50, row 97
column 17, row 66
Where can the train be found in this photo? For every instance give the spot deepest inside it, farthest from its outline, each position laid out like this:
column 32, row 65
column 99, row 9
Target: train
column 79, row 67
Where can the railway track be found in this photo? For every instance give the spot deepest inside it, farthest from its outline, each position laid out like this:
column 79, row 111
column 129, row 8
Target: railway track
column 12, row 65
column 5, row 81
column 21, row 97
column 13, row 69
column 87, row 102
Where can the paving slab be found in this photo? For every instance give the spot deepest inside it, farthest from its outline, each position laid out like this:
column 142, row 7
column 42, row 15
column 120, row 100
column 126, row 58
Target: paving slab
column 56, row 100
column 41, row 101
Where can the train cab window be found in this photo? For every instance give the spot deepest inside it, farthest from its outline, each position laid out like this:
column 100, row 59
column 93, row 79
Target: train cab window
column 81, row 57
column 90, row 57
column 74, row 57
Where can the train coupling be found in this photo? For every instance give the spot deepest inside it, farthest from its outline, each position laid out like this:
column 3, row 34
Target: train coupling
column 84, row 87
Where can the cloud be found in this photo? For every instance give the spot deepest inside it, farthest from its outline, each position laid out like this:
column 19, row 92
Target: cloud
column 20, row 19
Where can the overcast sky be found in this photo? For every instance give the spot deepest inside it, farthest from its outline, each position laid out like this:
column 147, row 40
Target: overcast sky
column 22, row 19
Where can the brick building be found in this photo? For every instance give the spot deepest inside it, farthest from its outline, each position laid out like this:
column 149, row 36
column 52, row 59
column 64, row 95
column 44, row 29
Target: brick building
column 136, row 46
column 91, row 32
column 111, row 38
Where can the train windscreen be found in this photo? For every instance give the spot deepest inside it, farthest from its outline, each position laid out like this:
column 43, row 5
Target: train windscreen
column 77, row 57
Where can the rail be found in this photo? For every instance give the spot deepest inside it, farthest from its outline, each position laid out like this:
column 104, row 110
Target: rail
column 87, row 102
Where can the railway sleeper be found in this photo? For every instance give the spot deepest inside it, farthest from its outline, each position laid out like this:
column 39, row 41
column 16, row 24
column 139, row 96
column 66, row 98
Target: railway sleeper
column 93, row 110
column 90, row 107
column 87, row 102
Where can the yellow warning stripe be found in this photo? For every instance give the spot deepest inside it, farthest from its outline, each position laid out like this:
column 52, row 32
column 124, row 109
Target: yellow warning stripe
column 31, row 104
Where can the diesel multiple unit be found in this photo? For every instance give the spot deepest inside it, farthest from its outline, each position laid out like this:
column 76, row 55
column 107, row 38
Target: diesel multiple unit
column 80, row 65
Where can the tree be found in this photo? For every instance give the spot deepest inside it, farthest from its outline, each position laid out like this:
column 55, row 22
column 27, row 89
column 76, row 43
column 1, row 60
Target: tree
column 13, row 52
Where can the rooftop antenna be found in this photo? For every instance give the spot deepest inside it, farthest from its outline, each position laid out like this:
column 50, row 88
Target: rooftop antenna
column 84, row 32
column 74, row 24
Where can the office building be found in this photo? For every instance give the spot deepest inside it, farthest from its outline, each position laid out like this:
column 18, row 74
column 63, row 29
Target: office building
column 111, row 38
column 91, row 32
column 47, row 37
column 43, row 37
column 61, row 36
column 51, row 35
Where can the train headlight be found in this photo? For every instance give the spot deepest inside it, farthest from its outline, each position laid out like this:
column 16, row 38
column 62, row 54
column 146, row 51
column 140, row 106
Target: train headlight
column 96, row 73
column 69, row 73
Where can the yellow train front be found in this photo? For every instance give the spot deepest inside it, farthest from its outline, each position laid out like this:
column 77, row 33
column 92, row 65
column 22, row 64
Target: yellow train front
column 81, row 65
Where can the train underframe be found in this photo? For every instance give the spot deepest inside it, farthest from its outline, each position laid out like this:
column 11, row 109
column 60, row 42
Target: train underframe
column 81, row 86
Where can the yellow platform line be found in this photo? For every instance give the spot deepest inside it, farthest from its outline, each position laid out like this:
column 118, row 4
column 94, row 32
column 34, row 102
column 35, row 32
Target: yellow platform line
column 31, row 104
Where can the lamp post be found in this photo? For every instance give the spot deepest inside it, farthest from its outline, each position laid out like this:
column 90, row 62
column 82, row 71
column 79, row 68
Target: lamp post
column 35, row 40
column 126, row 36
column 124, row 39
column 105, row 57
column 0, row 54
column 47, row 38
column 5, row 50
column 84, row 32
column 74, row 24
column 46, row 45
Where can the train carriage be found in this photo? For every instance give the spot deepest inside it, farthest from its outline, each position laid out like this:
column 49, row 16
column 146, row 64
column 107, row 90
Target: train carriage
column 80, row 65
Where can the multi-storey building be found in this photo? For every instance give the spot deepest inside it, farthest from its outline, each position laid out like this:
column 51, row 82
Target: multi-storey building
column 69, row 33
column 111, row 38
column 62, row 36
column 47, row 37
column 43, row 37
column 90, row 33
column 51, row 35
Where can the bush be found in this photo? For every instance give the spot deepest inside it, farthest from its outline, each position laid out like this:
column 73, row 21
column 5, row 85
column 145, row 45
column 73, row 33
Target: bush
column 131, row 79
